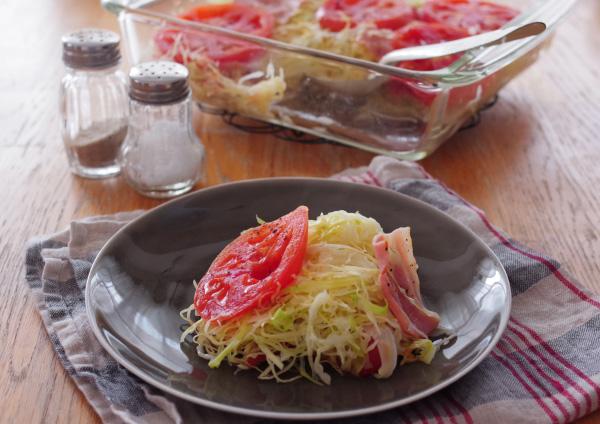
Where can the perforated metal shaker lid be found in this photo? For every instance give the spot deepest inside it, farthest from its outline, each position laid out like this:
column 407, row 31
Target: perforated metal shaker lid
column 158, row 82
column 91, row 48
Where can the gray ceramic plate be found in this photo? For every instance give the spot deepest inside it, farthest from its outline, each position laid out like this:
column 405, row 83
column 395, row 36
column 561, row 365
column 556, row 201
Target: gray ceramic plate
column 143, row 277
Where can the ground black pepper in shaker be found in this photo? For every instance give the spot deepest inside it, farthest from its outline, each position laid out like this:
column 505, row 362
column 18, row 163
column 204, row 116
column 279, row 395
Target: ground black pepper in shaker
column 94, row 103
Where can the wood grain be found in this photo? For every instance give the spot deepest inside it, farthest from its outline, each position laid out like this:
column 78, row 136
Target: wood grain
column 532, row 165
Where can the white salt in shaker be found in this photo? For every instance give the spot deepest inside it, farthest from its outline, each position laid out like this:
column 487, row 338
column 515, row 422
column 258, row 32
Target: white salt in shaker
column 161, row 156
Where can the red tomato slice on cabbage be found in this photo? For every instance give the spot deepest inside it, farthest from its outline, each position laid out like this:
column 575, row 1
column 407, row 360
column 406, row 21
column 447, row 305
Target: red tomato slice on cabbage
column 372, row 364
column 474, row 16
column 186, row 44
column 251, row 271
column 335, row 15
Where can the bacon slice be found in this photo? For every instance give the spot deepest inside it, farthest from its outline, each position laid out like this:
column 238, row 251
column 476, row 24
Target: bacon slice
column 400, row 283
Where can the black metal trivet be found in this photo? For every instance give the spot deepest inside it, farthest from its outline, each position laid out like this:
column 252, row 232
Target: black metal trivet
column 260, row 127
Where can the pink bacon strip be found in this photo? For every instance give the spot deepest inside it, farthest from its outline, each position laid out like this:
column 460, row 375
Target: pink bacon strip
column 400, row 283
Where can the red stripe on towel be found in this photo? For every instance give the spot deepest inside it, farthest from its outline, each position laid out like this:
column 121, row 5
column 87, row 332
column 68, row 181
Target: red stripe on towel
column 532, row 392
column 374, row 178
column 449, row 413
column 461, row 409
column 559, row 358
column 431, row 405
column 558, row 371
column 555, row 383
column 419, row 414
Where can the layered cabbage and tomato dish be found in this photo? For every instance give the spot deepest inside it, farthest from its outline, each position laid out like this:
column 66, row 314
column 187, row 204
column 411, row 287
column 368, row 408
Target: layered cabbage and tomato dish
column 299, row 298
column 248, row 78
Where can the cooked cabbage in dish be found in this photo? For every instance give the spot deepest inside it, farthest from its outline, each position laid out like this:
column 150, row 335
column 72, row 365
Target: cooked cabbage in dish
column 302, row 91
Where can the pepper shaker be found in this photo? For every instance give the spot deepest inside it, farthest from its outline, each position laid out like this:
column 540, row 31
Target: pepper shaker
column 94, row 103
column 161, row 156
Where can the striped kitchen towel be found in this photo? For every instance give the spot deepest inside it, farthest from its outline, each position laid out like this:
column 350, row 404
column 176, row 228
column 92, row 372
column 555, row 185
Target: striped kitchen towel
column 545, row 369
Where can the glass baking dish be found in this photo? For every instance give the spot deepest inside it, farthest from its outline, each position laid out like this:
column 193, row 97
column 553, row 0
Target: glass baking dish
column 384, row 109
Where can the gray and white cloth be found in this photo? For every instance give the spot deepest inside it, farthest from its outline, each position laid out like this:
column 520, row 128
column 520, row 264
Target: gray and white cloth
column 545, row 369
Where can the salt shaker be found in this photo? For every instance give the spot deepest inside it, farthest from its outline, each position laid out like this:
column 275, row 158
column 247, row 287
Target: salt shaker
column 161, row 156
column 94, row 102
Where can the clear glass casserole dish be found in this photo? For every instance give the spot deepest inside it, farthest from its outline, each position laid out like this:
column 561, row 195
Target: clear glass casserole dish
column 405, row 113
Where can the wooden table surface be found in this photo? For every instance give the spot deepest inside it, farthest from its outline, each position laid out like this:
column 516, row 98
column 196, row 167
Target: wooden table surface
column 531, row 164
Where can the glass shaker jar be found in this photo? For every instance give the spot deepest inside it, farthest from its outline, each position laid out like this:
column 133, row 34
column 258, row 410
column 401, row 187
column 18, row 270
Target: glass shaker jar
column 94, row 103
column 162, row 156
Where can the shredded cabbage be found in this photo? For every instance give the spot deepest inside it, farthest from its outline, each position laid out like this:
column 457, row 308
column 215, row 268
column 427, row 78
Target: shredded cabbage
column 332, row 314
column 252, row 92
column 302, row 29
column 251, row 95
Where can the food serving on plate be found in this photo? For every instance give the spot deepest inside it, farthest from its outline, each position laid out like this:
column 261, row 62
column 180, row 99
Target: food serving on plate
column 247, row 78
column 297, row 298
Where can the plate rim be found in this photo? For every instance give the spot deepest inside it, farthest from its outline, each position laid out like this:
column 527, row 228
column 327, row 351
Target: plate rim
column 298, row 416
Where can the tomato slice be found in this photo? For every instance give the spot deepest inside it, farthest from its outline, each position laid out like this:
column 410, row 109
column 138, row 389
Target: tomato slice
column 416, row 34
column 256, row 360
column 251, row 271
column 474, row 16
column 220, row 49
column 234, row 16
column 419, row 33
column 335, row 15
column 372, row 364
